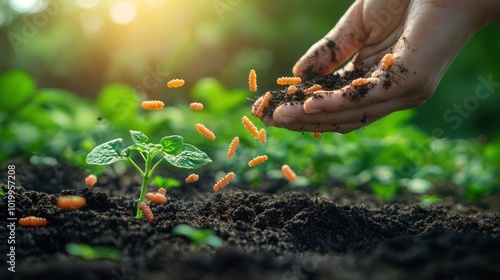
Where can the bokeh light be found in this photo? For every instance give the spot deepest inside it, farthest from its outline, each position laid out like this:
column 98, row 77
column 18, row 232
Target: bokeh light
column 122, row 12
column 86, row 4
column 26, row 6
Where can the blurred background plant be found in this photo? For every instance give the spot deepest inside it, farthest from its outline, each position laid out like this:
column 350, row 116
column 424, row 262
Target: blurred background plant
column 73, row 74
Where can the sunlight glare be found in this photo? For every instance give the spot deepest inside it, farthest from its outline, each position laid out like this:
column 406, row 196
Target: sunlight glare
column 122, row 12
column 26, row 6
column 86, row 4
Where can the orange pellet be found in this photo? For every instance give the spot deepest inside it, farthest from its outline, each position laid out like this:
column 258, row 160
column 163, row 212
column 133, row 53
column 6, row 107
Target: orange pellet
column 205, row 131
column 316, row 135
column 162, row 191
column 175, row 83
column 313, row 88
column 257, row 160
column 288, row 80
column 262, row 136
column 196, row 106
column 71, row 202
column 250, row 126
column 224, row 181
column 90, row 180
column 152, row 105
column 157, row 198
column 359, row 82
column 291, row 89
column 263, row 105
column 288, row 172
column 146, row 210
column 32, row 221
column 232, row 147
column 252, row 81
column 387, row 61
column 192, row 178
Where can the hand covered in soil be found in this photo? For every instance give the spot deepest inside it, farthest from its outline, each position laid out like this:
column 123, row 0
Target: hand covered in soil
column 424, row 37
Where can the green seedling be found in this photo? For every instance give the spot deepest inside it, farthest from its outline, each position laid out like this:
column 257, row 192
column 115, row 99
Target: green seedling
column 166, row 183
column 427, row 200
column 92, row 252
column 1, row 192
column 171, row 149
column 198, row 236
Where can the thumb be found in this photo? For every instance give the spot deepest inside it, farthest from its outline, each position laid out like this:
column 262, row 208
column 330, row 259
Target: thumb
column 345, row 39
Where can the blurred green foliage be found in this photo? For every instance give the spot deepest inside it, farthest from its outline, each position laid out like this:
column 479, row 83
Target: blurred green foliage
column 81, row 76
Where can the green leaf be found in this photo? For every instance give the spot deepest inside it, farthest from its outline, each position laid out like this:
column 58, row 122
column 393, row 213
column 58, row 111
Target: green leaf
column 16, row 88
column 106, row 153
column 172, row 144
column 166, row 183
column 198, row 236
column 140, row 148
column 1, row 192
column 138, row 137
column 92, row 252
column 190, row 158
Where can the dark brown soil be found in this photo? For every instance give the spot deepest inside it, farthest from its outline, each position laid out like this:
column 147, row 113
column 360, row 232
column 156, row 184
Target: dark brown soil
column 292, row 235
column 331, row 81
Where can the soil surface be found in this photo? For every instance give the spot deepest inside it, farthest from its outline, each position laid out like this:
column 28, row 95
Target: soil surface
column 289, row 234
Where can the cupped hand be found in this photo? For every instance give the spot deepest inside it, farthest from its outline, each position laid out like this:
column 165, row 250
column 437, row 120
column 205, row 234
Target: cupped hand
column 424, row 37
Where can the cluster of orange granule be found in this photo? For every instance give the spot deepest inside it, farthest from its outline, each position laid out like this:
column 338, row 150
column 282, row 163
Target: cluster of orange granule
column 152, row 105
column 288, row 80
column 387, row 61
column 252, row 81
column 191, row 178
column 257, row 160
column 32, row 221
column 248, row 124
column 159, row 197
column 263, row 105
column 71, row 202
column 224, row 181
column 175, row 83
column 90, row 180
column 205, row 131
column 146, row 210
column 232, row 147
column 197, row 106
column 313, row 88
column 359, row 82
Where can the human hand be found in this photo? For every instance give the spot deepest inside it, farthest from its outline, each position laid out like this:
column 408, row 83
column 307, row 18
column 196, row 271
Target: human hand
column 424, row 37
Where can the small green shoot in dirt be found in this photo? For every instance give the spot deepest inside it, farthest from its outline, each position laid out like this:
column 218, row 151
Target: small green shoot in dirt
column 171, row 149
column 93, row 252
column 198, row 236
column 1, row 192
column 427, row 200
column 166, row 183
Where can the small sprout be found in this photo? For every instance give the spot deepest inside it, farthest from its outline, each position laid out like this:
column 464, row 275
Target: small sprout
column 359, row 82
column 257, row 160
column 166, row 183
column 427, row 200
column 291, row 89
column 90, row 180
column 157, row 197
column 205, row 131
column 288, row 80
column 92, row 252
column 252, row 81
column 152, row 105
column 232, row 147
column 71, row 202
column 196, row 106
column 387, row 61
column 316, row 135
column 224, row 181
column 172, row 149
column 288, row 172
column 192, row 178
column 2, row 192
column 250, row 126
column 262, row 136
column 146, row 210
column 175, row 83
column 313, row 88
column 32, row 221
column 263, row 105
column 198, row 236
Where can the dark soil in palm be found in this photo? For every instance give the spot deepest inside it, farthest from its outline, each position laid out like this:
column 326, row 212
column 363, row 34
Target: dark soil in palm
column 285, row 235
